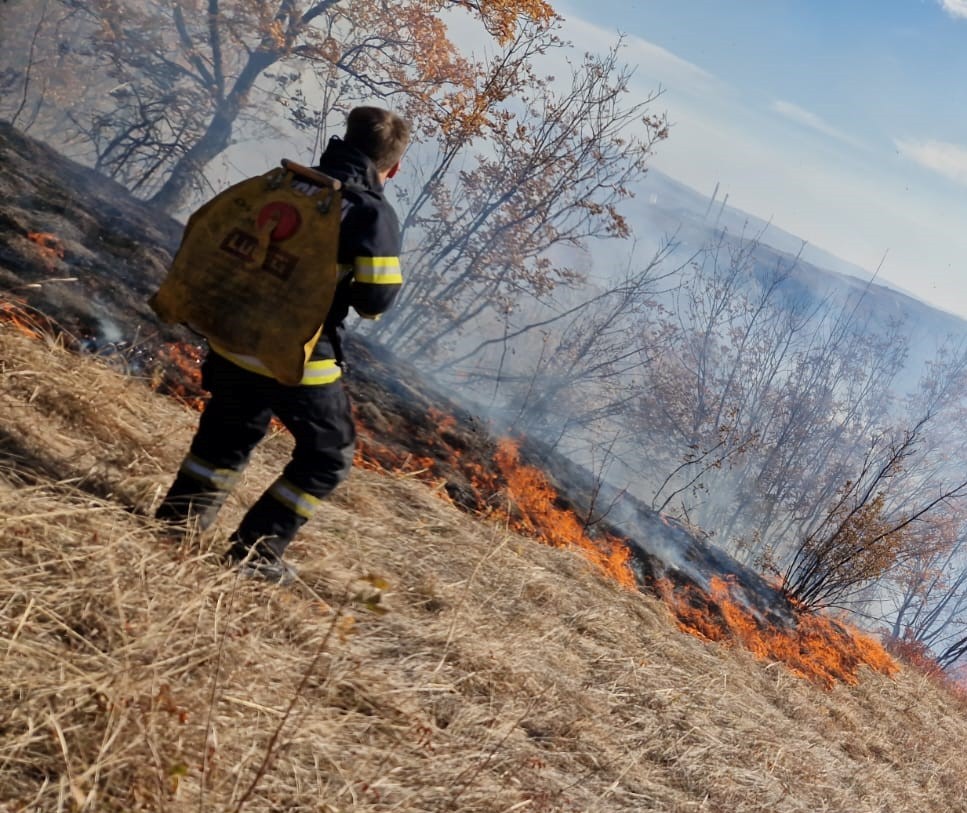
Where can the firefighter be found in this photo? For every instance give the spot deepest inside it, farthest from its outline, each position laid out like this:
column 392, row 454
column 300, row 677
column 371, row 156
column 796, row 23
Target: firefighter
column 244, row 397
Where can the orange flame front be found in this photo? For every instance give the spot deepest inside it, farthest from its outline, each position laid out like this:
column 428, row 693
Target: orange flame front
column 818, row 648
column 535, row 498
column 16, row 313
column 180, row 373
column 533, row 512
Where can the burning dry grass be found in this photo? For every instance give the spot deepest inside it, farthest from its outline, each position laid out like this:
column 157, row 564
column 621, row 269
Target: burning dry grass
column 815, row 647
column 535, row 500
column 426, row 661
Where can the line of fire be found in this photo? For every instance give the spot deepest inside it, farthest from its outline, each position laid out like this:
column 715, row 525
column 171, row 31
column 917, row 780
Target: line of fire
column 487, row 477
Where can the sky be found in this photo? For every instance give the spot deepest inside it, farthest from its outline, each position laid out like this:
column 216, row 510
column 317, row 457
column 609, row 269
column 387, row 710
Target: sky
column 842, row 123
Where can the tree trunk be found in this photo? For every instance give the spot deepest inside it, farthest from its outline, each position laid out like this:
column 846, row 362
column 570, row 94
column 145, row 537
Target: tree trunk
column 217, row 136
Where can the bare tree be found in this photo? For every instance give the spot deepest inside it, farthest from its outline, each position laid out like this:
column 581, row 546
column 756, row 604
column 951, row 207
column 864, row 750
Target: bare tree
column 928, row 594
column 860, row 537
column 215, row 52
column 551, row 173
column 568, row 371
column 39, row 65
column 925, row 595
column 753, row 419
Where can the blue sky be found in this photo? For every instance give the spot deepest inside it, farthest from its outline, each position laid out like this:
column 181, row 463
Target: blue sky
column 843, row 123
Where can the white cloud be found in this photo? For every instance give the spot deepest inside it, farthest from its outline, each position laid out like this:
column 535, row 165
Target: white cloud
column 663, row 62
column 955, row 8
column 807, row 119
column 949, row 160
column 659, row 65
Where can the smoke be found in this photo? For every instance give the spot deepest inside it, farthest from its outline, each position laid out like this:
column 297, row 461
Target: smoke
column 738, row 393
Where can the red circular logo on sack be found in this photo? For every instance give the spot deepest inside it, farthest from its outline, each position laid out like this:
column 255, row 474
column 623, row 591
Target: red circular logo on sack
column 285, row 216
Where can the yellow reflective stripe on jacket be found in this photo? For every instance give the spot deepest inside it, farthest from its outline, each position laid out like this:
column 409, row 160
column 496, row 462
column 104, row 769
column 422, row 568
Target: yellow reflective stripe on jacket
column 198, row 469
column 378, row 270
column 295, row 499
column 322, row 371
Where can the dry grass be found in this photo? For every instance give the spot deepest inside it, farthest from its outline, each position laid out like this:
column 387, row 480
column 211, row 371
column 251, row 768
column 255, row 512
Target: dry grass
column 426, row 662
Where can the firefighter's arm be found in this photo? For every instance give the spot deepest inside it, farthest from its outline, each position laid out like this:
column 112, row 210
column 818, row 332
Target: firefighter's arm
column 376, row 278
column 376, row 282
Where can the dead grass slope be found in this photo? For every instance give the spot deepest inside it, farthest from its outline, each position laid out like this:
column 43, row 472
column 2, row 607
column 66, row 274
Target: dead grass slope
column 427, row 661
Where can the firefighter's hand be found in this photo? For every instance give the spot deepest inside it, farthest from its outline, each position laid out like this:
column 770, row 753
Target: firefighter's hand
column 305, row 188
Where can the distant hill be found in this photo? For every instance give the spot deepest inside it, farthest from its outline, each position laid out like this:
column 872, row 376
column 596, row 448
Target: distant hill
column 663, row 207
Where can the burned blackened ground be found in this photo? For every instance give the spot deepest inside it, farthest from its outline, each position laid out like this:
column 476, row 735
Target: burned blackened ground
column 77, row 246
column 77, row 250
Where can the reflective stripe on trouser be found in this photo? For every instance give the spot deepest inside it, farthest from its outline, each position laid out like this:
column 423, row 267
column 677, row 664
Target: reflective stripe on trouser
column 272, row 523
column 208, row 474
column 198, row 492
column 236, row 418
column 293, row 498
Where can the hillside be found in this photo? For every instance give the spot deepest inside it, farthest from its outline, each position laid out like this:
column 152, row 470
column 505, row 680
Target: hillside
column 428, row 661
column 79, row 256
column 431, row 658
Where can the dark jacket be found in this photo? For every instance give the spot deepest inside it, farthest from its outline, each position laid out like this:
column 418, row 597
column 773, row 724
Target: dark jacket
column 368, row 257
column 369, row 244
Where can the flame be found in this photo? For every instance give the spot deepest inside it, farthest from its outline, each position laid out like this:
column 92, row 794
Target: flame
column 535, row 498
column 374, row 457
column 818, row 648
column 48, row 247
column 443, row 421
column 917, row 654
column 534, row 510
column 16, row 313
column 180, row 373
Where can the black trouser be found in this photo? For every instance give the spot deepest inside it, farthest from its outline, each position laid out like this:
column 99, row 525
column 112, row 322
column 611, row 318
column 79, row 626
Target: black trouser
column 234, row 421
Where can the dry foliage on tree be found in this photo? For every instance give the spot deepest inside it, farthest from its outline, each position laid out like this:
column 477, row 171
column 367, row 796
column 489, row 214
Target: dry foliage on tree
column 548, row 170
column 508, row 165
column 180, row 76
column 186, row 74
